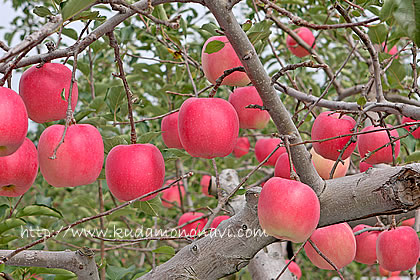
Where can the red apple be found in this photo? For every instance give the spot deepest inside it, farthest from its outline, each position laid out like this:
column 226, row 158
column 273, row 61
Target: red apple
column 170, row 134
column 248, row 117
column 79, row 158
column 384, row 272
column 214, row 64
column 193, row 228
column 18, row 170
column 408, row 222
column 282, row 167
column 394, row 278
column 336, row 242
column 294, row 47
column 172, row 194
column 328, row 125
column 392, row 51
column 363, row 166
column 265, row 146
column 41, row 90
column 218, row 220
column 294, row 269
column 134, row 170
column 288, row 209
column 208, row 127
column 241, row 147
column 371, row 141
column 415, row 133
column 205, row 184
column 324, row 166
column 398, row 249
column 366, row 245
column 13, row 121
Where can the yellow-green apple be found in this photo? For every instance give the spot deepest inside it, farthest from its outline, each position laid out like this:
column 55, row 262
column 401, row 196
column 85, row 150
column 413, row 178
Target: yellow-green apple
column 265, row 146
column 324, row 166
column 79, row 158
column 365, row 245
column 306, row 35
column 328, row 125
column 172, row 195
column 415, row 133
column 372, row 141
column 208, row 127
column 205, row 185
column 18, row 170
column 408, row 222
column 215, row 63
column 336, row 242
column 170, row 134
column 218, row 220
column 45, row 91
column 13, row 121
column 363, row 166
column 288, row 210
column 193, row 228
column 294, row 269
column 282, row 167
column 241, row 147
column 249, row 117
column 134, row 170
column 398, row 249
column 387, row 273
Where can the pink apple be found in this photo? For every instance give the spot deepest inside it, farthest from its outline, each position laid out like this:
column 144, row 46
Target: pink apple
column 324, row 166
column 294, row 269
column 294, row 47
column 265, row 146
column 282, row 167
column 408, row 222
column 363, row 166
column 205, row 185
column 13, row 121
column 208, row 127
column 398, row 249
column 372, row 141
column 41, row 89
column 193, row 228
column 336, row 242
column 79, row 158
column 218, row 220
column 18, row 170
column 288, row 210
column 328, row 125
column 248, row 117
column 170, row 134
column 134, row 170
column 241, row 147
column 172, row 194
column 415, row 133
column 387, row 273
column 216, row 63
column 366, row 245
column 393, row 50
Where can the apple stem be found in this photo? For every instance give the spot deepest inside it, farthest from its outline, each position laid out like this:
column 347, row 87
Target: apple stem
column 223, row 76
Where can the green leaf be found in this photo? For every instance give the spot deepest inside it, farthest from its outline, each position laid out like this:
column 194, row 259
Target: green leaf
column 150, row 207
column 168, row 250
column 247, row 25
column 9, row 224
column 122, row 212
column 378, row 33
column 361, row 101
column 69, row 32
column 38, row 210
column 388, row 9
column 110, row 143
column 214, row 46
column 7, row 239
column 174, row 154
column 210, row 28
column 417, row 20
column 396, row 74
column 71, row 7
column 63, row 94
column 3, row 209
column 42, row 11
column 117, row 273
column 148, row 137
column 55, row 271
column 259, row 31
column 86, row 15
column 114, row 98
column 414, row 157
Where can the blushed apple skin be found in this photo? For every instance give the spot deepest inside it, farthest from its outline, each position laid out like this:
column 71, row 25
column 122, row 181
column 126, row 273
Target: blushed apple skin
column 215, row 64
column 282, row 167
column 170, row 134
column 365, row 245
column 134, row 170
column 79, row 158
column 363, row 166
column 265, row 146
column 192, row 228
column 324, row 166
column 248, row 117
column 398, row 249
column 41, row 88
column 387, row 273
column 371, row 141
column 172, row 194
column 294, row 268
column 336, row 242
column 288, row 210
column 327, row 125
column 216, row 221
column 294, row 47
column 18, row 169
column 208, row 127
column 205, row 184
column 241, row 147
column 409, row 222
column 13, row 121
column 415, row 133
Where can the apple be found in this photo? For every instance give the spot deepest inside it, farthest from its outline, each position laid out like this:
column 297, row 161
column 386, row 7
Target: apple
column 394, row 278
column 79, row 159
column 42, row 91
column 294, row 47
column 363, row 166
column 294, row 269
column 365, row 245
column 214, row 64
column 408, row 222
column 384, row 272
column 218, row 220
column 282, row 167
column 208, row 127
column 13, row 121
column 172, row 194
column 371, row 141
column 241, row 147
column 336, row 242
column 327, row 125
column 205, row 185
column 265, row 146
column 248, row 117
column 288, row 210
column 392, row 51
column 193, row 228
column 415, row 133
column 18, row 170
column 134, row 170
column 398, row 249
column 170, row 134
column 324, row 166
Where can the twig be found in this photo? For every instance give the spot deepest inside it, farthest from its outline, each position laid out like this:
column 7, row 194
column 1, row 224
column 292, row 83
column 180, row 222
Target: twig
column 184, row 54
column 102, row 225
column 415, row 87
column 223, row 76
column 367, row 229
column 325, row 258
column 283, row 70
column 286, row 142
column 149, row 119
column 16, row 205
column 4, row 46
column 6, row 276
column 292, row 259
